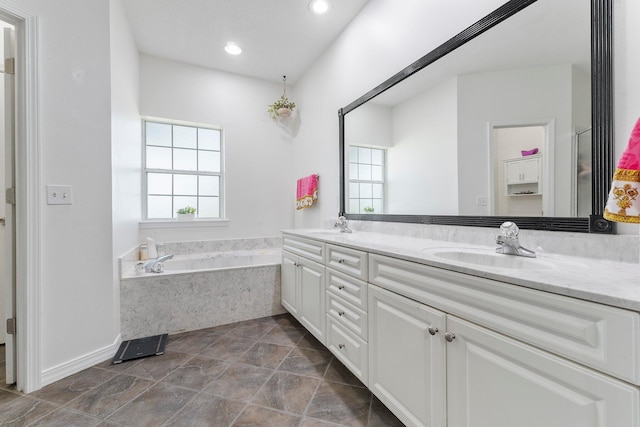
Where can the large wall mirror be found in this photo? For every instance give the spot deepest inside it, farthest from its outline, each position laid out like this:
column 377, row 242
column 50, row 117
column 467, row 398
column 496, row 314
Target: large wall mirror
column 510, row 119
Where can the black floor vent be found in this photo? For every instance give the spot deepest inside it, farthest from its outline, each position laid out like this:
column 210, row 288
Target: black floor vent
column 141, row 347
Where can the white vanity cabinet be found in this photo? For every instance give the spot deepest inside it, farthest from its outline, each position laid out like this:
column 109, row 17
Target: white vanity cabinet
column 496, row 379
column 445, row 349
column 346, row 304
column 303, row 283
column 407, row 357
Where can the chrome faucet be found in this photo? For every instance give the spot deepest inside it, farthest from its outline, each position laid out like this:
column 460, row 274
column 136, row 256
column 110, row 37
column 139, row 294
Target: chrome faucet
column 154, row 265
column 508, row 242
column 343, row 225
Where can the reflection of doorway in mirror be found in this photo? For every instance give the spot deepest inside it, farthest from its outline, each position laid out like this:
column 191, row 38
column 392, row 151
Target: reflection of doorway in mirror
column 517, row 179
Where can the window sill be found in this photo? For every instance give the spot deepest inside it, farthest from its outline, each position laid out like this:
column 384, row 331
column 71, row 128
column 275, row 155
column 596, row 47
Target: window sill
column 174, row 223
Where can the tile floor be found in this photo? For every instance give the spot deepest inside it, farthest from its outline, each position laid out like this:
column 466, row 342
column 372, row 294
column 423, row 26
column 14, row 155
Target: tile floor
column 263, row 372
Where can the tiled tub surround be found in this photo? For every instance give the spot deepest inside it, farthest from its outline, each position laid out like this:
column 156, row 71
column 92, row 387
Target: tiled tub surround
column 208, row 283
column 208, row 254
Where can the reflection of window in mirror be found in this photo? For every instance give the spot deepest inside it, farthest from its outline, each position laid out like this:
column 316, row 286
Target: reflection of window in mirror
column 366, row 179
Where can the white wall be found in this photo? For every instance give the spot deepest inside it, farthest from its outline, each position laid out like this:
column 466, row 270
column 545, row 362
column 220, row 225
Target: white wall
column 126, row 150
column 422, row 163
column 77, row 294
column 369, row 125
column 260, row 190
column 380, row 41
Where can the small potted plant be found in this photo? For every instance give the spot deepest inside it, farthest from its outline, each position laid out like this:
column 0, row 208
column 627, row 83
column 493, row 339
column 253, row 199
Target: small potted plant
column 186, row 214
column 281, row 108
column 368, row 209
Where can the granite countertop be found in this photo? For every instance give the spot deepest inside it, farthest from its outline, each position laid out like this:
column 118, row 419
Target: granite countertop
column 606, row 282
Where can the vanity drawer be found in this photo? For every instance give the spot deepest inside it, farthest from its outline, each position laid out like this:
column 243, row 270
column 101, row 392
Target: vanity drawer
column 603, row 337
column 348, row 288
column 350, row 349
column 349, row 261
column 307, row 248
column 347, row 315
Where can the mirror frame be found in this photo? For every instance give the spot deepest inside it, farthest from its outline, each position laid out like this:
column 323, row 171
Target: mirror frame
column 601, row 124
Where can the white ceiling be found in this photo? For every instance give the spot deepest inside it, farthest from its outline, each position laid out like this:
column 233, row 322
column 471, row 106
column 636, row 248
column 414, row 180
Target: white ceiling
column 277, row 37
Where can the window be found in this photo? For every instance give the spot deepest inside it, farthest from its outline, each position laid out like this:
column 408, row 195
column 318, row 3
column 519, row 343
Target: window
column 366, row 179
column 183, row 167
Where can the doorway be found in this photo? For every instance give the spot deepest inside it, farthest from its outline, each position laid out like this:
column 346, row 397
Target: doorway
column 26, row 171
column 521, row 153
column 7, row 212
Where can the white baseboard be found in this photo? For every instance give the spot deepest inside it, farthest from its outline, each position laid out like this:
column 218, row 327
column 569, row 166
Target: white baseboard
column 78, row 364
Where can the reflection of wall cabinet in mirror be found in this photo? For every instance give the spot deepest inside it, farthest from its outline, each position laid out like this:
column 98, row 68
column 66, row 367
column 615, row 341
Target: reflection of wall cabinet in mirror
column 523, row 176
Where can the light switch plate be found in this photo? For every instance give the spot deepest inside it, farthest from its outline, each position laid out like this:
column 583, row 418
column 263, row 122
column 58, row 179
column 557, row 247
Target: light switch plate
column 59, row 195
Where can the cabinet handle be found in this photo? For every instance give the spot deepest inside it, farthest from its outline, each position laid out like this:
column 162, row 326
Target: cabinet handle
column 340, row 346
column 449, row 336
column 341, row 260
column 432, row 330
column 341, row 313
column 341, row 287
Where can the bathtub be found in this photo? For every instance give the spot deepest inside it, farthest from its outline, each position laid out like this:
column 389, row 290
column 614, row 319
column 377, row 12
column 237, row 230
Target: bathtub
column 191, row 263
column 200, row 290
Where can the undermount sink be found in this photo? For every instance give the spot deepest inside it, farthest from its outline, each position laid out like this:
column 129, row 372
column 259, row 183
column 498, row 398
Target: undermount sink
column 488, row 258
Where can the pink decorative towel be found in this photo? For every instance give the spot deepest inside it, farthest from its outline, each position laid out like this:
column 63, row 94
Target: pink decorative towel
column 307, row 192
column 623, row 204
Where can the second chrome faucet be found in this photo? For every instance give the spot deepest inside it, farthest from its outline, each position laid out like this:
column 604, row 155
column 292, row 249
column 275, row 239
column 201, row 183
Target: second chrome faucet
column 508, row 242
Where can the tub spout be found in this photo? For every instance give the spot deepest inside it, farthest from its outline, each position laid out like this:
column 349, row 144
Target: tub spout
column 155, row 265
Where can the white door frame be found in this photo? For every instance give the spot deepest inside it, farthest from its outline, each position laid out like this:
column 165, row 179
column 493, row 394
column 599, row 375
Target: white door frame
column 28, row 184
column 549, row 126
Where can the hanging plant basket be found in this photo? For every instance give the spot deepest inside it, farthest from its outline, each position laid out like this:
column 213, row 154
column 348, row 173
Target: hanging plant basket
column 282, row 107
column 284, row 112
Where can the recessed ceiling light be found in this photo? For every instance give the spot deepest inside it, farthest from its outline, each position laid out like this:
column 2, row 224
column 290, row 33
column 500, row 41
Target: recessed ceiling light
column 232, row 48
column 319, row 7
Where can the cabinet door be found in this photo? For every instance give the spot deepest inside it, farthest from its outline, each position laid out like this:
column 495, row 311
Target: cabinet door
column 407, row 362
column 288, row 283
column 312, row 313
column 522, row 171
column 495, row 381
column 513, row 172
column 530, row 170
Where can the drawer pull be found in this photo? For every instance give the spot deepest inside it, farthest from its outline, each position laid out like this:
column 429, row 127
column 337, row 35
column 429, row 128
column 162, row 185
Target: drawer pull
column 341, row 260
column 341, row 346
column 449, row 336
column 341, row 313
column 432, row 330
column 341, row 287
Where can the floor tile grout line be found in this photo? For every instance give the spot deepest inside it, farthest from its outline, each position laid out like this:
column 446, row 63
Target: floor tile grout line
column 370, row 408
column 154, row 383
column 252, row 398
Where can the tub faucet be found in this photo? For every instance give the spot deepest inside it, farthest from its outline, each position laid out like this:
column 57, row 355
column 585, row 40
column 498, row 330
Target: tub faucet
column 343, row 225
column 154, row 265
column 508, row 242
